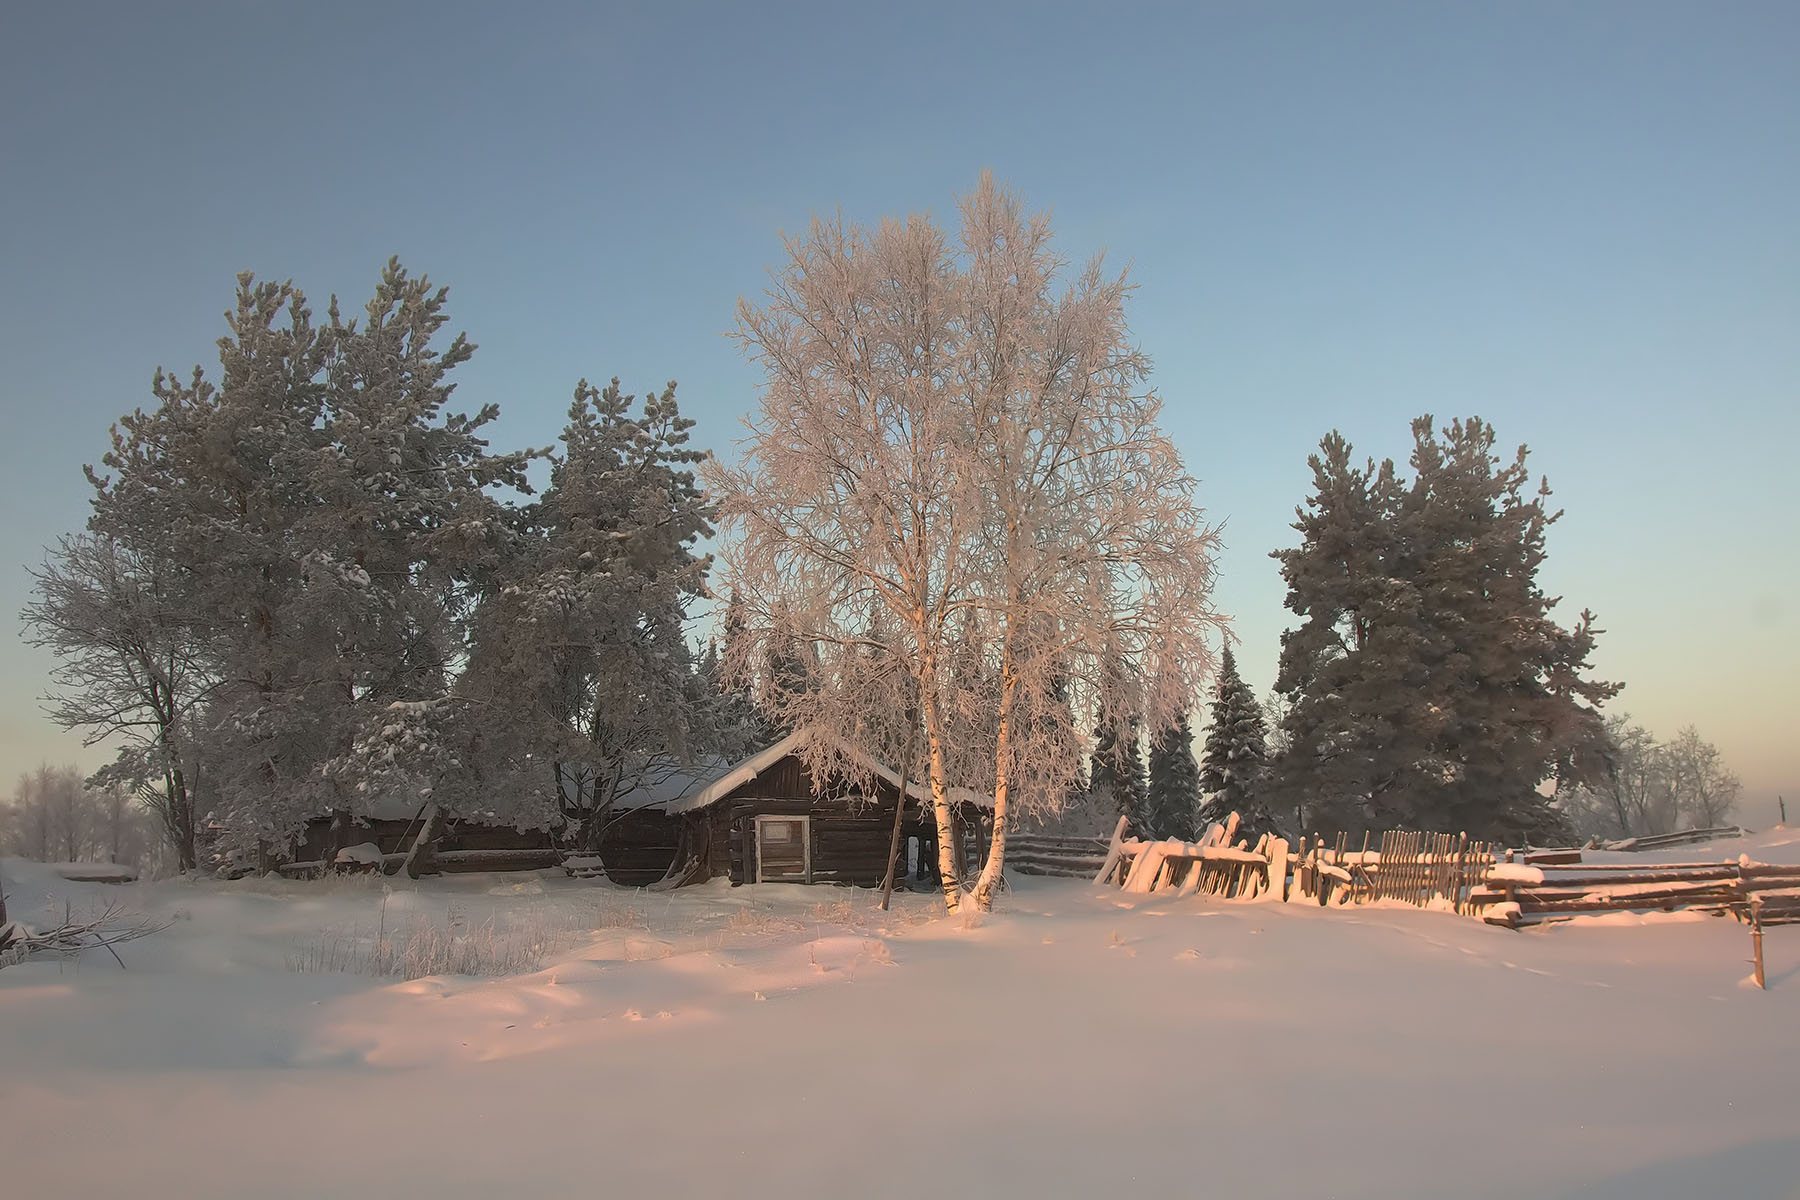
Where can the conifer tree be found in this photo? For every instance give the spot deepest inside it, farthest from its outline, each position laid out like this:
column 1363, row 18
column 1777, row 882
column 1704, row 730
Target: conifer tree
column 1174, row 788
column 1428, row 685
column 329, row 518
column 747, row 727
column 1116, row 771
column 582, row 683
column 1234, row 761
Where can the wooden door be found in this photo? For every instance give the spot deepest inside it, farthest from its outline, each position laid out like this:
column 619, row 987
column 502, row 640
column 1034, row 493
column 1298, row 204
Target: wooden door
column 784, row 849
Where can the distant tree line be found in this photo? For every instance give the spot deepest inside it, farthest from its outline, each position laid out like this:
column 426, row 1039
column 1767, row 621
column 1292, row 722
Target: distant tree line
column 1646, row 786
column 53, row 816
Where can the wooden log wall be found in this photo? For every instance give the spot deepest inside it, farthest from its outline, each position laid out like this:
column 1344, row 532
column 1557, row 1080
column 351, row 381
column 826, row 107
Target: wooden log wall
column 849, row 838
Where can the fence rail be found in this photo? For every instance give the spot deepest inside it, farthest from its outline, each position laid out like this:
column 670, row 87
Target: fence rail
column 1450, row 871
column 1046, row 854
column 1684, row 837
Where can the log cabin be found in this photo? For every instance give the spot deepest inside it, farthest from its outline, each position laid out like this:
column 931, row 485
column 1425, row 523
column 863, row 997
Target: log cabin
column 764, row 819
column 767, row 819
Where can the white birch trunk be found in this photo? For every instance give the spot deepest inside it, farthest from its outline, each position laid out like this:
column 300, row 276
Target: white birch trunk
column 940, row 798
column 996, row 859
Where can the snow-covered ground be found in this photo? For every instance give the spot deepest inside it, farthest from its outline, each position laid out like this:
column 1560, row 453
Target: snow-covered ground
column 791, row 1041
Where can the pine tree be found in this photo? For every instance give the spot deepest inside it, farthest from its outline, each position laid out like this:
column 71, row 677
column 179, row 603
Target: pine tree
column 1116, row 771
column 743, row 726
column 1235, row 758
column 328, row 517
column 582, row 674
column 1428, row 685
column 1174, row 787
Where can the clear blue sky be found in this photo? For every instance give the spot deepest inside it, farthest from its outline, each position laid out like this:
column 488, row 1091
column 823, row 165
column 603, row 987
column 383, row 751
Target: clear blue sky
column 1579, row 220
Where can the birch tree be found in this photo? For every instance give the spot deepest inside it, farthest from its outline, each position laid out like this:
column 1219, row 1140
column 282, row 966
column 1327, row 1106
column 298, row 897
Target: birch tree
column 127, row 670
column 958, row 434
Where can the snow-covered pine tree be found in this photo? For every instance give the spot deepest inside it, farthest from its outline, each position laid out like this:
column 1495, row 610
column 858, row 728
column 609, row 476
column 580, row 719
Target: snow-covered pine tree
column 1235, row 757
column 581, row 678
column 1173, row 804
column 327, row 518
column 1116, row 777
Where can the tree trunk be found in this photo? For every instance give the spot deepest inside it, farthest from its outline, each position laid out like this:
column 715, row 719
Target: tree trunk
column 179, row 820
column 996, row 857
column 421, row 855
column 887, row 883
column 940, row 799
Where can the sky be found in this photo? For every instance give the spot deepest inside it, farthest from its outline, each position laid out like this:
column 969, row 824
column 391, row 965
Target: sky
column 1580, row 221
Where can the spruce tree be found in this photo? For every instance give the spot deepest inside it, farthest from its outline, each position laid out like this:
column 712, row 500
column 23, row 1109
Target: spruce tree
column 1428, row 685
column 1174, row 786
column 747, row 726
column 1117, row 773
column 1235, row 759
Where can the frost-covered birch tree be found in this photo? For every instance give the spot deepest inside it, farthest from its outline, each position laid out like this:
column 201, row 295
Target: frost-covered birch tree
column 965, row 437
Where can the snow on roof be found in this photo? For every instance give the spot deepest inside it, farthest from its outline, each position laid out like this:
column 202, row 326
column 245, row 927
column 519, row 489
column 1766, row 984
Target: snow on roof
column 747, row 770
column 668, row 791
column 697, row 785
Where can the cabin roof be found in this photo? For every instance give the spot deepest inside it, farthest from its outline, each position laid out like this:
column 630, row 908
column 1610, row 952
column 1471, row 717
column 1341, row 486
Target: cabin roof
column 743, row 772
column 702, row 783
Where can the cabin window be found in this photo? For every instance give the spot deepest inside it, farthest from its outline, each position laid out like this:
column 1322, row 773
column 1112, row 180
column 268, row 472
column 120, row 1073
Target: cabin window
column 784, row 849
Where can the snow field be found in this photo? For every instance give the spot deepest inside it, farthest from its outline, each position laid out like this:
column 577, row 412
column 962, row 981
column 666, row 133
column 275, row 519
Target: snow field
column 791, row 1041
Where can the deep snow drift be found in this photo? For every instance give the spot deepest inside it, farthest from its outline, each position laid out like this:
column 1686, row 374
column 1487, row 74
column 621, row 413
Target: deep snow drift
column 791, row 1041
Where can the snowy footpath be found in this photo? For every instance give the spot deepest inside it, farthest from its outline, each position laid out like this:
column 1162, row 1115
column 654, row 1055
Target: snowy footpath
column 787, row 1041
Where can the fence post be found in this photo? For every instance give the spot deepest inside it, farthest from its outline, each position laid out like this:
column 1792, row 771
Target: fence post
column 1756, row 939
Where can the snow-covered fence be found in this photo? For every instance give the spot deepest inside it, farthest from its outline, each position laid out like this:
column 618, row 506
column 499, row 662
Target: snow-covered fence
column 1045, row 854
column 1430, row 870
column 1425, row 869
column 1516, row 894
column 1684, row 837
column 1214, row 864
column 1768, row 909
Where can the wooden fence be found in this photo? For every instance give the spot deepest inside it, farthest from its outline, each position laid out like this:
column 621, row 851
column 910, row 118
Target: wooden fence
column 1517, row 894
column 1452, row 872
column 1423, row 869
column 1045, row 854
column 1428, row 870
column 1684, row 837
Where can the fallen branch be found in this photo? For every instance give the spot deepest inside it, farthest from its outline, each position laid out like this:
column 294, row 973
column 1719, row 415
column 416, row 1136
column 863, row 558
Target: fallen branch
column 69, row 939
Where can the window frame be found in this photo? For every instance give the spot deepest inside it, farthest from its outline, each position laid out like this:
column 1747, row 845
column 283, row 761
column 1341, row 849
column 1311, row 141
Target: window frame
column 804, row 820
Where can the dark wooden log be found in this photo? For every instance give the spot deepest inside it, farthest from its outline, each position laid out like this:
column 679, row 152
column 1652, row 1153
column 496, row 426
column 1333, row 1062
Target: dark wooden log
column 420, row 855
column 498, row 860
column 887, row 880
column 1718, row 901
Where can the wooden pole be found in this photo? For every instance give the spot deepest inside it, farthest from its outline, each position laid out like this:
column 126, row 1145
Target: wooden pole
column 1756, row 941
column 912, row 745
